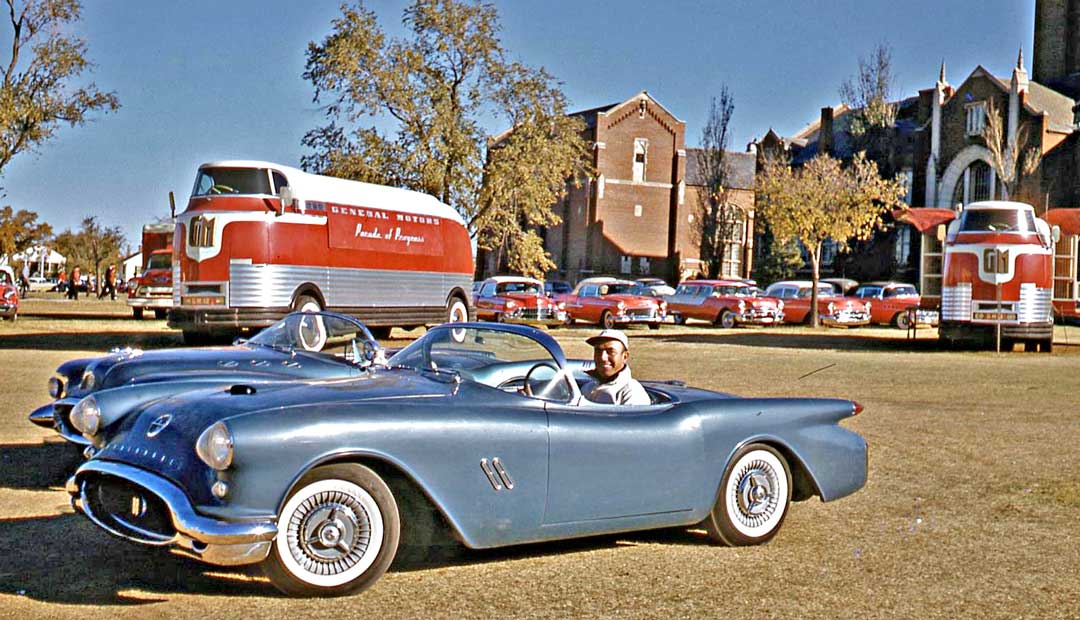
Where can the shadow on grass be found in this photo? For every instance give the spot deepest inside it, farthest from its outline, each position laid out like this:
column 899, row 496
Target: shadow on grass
column 849, row 339
column 93, row 341
column 37, row 467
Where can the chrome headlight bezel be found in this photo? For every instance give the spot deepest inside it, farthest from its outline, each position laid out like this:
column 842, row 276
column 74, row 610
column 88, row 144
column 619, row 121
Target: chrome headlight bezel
column 56, row 386
column 88, row 381
column 86, row 416
column 215, row 446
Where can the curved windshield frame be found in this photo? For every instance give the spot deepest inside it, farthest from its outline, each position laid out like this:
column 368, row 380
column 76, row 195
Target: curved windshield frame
column 998, row 221
column 468, row 348
column 232, row 181
column 530, row 288
column 160, row 261
column 330, row 334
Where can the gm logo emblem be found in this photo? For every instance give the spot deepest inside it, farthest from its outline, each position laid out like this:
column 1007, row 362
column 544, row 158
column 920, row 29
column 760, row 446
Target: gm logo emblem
column 158, row 425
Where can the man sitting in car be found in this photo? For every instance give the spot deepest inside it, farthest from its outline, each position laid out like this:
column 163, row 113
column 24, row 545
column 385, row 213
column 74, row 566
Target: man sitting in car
column 612, row 383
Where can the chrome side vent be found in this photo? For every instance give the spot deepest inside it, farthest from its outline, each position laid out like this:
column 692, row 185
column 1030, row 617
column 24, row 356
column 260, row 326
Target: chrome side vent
column 496, row 474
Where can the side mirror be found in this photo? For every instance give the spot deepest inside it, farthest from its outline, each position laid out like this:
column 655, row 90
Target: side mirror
column 1055, row 233
column 940, row 233
column 287, row 198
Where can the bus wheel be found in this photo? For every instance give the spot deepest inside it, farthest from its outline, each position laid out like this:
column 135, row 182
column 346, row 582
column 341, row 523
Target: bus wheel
column 1046, row 346
column 456, row 311
column 306, row 303
column 137, row 313
column 161, row 314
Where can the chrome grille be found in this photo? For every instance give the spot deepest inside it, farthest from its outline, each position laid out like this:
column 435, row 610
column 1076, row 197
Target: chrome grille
column 956, row 302
column 1034, row 306
column 127, row 509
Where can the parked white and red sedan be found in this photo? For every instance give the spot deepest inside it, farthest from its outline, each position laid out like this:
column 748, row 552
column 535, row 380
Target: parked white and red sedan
column 834, row 309
column 725, row 303
column 610, row 303
column 895, row 303
column 517, row 299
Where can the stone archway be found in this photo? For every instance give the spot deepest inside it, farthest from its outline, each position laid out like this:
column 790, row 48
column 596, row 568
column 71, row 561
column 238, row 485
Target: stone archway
column 955, row 171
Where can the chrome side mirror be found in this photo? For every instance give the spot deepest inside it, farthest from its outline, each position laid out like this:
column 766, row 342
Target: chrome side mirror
column 286, row 195
column 1055, row 233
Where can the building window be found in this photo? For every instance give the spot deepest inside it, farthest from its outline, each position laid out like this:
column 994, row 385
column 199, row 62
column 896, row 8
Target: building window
column 644, row 265
column 641, row 156
column 906, row 177
column 637, row 210
column 976, row 118
column 978, row 182
column 625, row 263
column 902, row 250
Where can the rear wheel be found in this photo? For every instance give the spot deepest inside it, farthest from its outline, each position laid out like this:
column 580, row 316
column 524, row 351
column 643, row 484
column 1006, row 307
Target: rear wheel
column 902, row 319
column 337, row 533
column 456, row 311
column 306, row 303
column 755, row 493
column 680, row 319
column 654, row 326
column 161, row 314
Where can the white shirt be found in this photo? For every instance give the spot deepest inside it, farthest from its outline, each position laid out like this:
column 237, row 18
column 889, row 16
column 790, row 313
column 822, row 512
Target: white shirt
column 621, row 390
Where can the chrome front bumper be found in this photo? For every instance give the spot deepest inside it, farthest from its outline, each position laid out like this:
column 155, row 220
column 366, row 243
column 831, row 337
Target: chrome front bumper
column 846, row 319
column 47, row 416
column 225, row 543
column 150, row 302
column 761, row 318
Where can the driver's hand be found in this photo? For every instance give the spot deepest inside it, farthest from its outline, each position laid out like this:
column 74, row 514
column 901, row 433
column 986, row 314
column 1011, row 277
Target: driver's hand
column 525, row 390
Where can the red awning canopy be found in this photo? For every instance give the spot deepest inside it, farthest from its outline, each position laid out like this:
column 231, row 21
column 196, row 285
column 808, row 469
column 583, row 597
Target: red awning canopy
column 1068, row 220
column 924, row 218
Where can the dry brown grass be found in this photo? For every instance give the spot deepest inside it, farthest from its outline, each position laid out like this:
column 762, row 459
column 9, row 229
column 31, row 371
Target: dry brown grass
column 971, row 508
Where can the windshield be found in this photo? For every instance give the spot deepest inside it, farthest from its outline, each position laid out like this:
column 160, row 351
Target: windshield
column 160, row 261
column 320, row 332
column 901, row 291
column 470, row 349
column 998, row 220
column 214, row 181
column 617, row 288
column 519, row 287
column 824, row 290
column 732, row 290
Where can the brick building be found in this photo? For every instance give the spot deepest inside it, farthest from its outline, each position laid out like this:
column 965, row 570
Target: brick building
column 637, row 216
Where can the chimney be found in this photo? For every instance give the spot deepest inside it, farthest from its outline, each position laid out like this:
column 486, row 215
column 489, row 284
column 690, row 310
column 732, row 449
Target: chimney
column 825, row 132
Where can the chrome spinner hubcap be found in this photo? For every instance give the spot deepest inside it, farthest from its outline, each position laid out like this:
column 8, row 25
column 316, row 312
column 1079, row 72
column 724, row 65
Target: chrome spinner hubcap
column 329, row 533
column 755, row 493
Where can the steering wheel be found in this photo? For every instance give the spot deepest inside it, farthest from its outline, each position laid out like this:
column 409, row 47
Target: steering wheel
column 220, row 188
column 545, row 382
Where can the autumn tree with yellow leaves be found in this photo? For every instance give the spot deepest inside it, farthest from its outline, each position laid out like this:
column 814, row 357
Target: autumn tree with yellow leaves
column 823, row 200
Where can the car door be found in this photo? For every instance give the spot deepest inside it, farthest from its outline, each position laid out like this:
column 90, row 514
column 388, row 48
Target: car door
column 486, row 301
column 609, row 462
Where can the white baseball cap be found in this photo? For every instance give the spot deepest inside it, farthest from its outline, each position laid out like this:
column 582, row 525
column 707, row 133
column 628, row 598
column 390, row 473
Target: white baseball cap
column 610, row 334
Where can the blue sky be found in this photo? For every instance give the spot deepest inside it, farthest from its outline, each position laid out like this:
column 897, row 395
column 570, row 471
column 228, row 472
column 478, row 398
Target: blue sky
column 205, row 80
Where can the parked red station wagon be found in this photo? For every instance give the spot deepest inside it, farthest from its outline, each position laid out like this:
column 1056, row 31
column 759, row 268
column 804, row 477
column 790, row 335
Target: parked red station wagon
column 609, row 303
column 891, row 304
column 517, row 299
column 725, row 303
column 834, row 309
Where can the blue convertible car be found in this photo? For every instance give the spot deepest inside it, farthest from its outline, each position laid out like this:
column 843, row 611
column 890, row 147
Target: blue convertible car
column 480, row 427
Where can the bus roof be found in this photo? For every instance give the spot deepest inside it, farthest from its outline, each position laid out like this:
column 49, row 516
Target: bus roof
column 317, row 187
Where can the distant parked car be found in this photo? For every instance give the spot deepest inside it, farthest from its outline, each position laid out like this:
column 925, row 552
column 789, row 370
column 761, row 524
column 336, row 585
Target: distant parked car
column 656, row 286
column 517, row 299
column 9, row 294
column 725, row 303
column 40, row 283
column 557, row 287
column 610, row 302
column 845, row 286
column 834, row 309
column 892, row 302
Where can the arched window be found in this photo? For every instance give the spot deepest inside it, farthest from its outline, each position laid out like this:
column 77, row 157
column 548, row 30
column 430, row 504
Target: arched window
column 978, row 182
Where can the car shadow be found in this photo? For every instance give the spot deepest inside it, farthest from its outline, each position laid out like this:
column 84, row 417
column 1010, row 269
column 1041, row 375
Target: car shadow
column 35, row 467
column 66, row 559
column 90, row 341
column 849, row 340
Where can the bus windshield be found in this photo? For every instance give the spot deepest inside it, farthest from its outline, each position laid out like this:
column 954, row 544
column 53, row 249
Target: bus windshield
column 998, row 220
column 215, row 181
column 161, row 260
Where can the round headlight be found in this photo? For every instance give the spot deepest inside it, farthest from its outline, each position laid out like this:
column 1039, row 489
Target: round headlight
column 621, row 306
column 88, row 380
column 86, row 417
column 215, row 446
column 511, row 304
column 56, row 387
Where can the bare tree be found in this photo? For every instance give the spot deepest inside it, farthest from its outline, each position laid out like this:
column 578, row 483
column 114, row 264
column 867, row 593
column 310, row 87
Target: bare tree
column 719, row 218
column 1010, row 161
column 869, row 97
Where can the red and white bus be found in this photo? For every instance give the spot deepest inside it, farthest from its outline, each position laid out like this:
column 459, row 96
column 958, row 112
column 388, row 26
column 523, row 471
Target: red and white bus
column 259, row 240
column 998, row 271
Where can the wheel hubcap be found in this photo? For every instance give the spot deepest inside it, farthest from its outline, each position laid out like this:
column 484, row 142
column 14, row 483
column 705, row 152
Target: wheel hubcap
column 755, row 493
column 329, row 533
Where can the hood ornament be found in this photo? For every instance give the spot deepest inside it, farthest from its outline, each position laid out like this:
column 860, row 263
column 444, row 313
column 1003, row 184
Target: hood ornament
column 158, row 425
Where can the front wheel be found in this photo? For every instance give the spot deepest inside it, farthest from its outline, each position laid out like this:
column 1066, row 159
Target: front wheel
column 337, row 534
column 137, row 313
column 755, row 493
column 726, row 319
column 607, row 320
column 161, row 314
column 902, row 320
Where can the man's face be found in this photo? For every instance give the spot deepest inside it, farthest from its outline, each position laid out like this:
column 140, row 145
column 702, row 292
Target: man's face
column 610, row 358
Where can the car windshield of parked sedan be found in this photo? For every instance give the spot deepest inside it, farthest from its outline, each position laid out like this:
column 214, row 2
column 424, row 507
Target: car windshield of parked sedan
column 468, row 349
column 317, row 332
column 824, row 290
column 731, row 290
column 906, row 290
column 531, row 288
column 617, row 288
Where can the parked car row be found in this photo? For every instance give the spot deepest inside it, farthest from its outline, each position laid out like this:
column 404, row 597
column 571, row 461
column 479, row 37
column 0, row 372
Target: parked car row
column 612, row 302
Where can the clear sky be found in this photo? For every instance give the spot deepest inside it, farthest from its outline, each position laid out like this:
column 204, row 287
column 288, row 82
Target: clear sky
column 204, row 80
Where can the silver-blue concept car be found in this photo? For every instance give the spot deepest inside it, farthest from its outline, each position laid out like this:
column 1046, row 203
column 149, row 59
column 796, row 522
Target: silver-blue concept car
column 477, row 428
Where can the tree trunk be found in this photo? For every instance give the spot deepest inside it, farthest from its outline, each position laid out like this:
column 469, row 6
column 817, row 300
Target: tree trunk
column 815, row 273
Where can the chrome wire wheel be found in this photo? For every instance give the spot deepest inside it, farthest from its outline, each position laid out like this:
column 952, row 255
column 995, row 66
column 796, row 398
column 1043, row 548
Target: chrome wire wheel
column 753, row 500
column 330, row 533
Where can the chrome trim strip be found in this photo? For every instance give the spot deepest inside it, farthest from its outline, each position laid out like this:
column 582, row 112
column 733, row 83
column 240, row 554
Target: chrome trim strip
column 509, row 482
column 495, row 484
column 184, row 518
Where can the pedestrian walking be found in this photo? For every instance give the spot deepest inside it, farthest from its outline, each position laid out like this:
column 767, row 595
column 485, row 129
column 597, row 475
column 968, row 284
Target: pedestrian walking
column 73, row 284
column 109, row 285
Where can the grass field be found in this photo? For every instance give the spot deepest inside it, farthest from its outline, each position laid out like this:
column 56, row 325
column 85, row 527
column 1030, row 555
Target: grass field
column 971, row 509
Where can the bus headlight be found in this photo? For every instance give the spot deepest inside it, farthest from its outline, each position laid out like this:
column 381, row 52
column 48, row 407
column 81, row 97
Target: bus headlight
column 56, row 386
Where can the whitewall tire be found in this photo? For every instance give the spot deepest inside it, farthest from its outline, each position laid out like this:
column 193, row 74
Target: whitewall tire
column 754, row 497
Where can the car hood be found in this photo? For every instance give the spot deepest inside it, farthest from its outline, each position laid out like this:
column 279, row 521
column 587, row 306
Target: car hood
column 633, row 301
